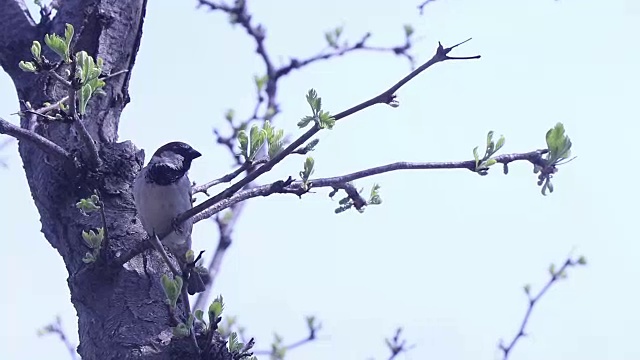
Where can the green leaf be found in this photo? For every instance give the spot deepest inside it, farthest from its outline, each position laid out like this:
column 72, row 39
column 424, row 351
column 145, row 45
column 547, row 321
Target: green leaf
column 93, row 239
column 27, row 66
column 489, row 137
column 36, row 50
column 171, row 289
column 229, row 115
column 408, row 30
column 260, row 81
column 331, row 39
column 190, row 256
column 476, row 156
column 558, row 143
column 308, row 169
column 374, row 196
column 88, row 258
column 83, row 98
column 243, row 139
column 180, row 331
column 326, row 120
column 68, row 34
column 312, row 97
column 490, row 162
column 305, row 121
column 500, row 143
column 257, row 138
column 311, row 145
column 58, row 45
column 215, row 309
column 199, row 315
column 234, row 343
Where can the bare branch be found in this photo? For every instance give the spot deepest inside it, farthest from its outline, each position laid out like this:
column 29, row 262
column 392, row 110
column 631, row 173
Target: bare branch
column 60, row 79
column 330, row 53
column 155, row 242
column 555, row 276
column 385, row 98
column 312, row 326
column 226, row 225
column 397, row 346
column 57, row 329
column 227, row 178
column 43, row 143
column 423, row 4
column 342, row 182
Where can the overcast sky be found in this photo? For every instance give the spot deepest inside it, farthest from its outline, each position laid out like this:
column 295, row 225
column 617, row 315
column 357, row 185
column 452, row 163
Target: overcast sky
column 448, row 252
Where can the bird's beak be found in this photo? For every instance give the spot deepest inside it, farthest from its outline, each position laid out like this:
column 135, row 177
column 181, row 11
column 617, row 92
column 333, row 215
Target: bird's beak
column 194, row 154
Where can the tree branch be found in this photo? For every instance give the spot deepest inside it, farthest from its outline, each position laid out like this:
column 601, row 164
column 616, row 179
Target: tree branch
column 299, row 188
column 18, row 29
column 225, row 228
column 43, row 143
column 423, row 4
column 555, row 276
column 385, row 97
column 57, row 329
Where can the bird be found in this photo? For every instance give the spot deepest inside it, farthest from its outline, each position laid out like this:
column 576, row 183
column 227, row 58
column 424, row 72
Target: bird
column 162, row 191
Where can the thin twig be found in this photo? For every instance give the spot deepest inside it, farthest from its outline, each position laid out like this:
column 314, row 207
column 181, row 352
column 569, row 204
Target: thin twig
column 43, row 143
column 60, row 79
column 423, row 4
column 155, row 242
column 225, row 179
column 313, row 328
column 112, row 75
column 46, row 109
column 299, row 188
column 225, row 228
column 56, row 328
column 187, row 309
column 397, row 346
column 555, row 276
column 85, row 137
column 385, row 97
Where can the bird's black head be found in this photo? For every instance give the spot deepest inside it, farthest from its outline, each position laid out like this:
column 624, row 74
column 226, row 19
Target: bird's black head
column 170, row 162
column 180, row 148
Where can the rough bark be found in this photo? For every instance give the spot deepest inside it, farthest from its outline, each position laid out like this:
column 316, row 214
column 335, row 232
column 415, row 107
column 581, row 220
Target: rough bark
column 121, row 311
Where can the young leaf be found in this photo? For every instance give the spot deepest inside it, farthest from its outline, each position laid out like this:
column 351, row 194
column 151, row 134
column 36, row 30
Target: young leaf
column 215, row 309
column 171, row 289
column 476, row 156
column 305, row 121
column 27, row 66
column 68, row 34
column 500, row 143
column 260, row 81
column 36, row 49
column 243, row 139
column 558, row 143
column 408, row 30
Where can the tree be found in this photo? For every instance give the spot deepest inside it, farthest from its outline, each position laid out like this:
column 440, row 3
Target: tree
column 62, row 170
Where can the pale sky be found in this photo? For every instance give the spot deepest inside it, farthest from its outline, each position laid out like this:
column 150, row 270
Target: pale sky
column 448, row 252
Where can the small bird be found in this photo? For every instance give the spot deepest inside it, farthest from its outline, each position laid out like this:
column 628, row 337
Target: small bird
column 162, row 191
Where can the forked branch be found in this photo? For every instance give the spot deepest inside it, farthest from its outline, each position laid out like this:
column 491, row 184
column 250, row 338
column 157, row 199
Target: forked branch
column 386, row 97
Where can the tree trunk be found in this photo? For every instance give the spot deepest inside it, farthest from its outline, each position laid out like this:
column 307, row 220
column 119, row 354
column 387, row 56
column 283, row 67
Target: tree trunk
column 122, row 312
